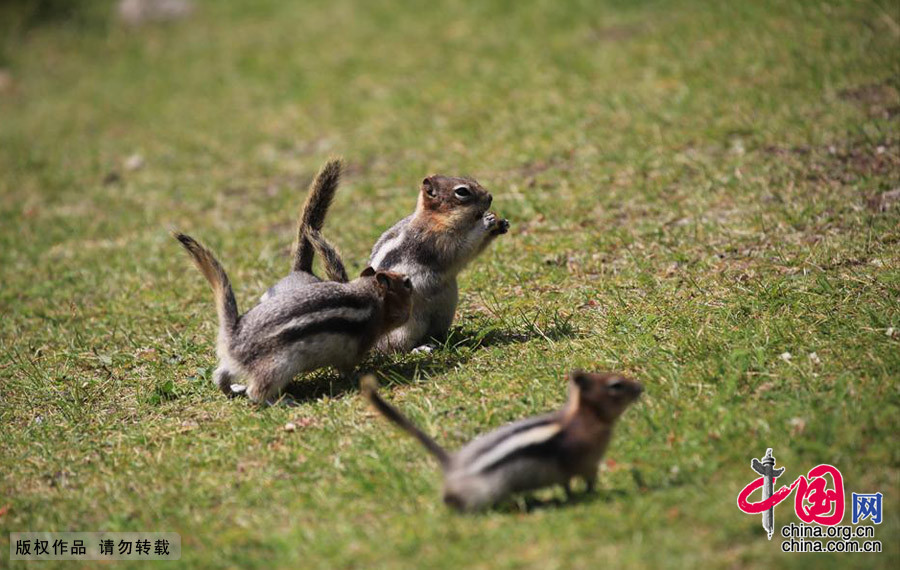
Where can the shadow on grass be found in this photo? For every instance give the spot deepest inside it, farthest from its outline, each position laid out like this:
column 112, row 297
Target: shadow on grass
column 457, row 349
column 518, row 329
column 531, row 503
column 402, row 371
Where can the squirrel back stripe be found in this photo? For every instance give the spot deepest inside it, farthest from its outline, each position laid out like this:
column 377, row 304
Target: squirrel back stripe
column 334, row 325
column 342, row 300
column 529, row 454
column 538, row 440
column 350, row 328
column 303, row 320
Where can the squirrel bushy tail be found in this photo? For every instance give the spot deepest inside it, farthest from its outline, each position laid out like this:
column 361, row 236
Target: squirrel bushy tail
column 312, row 216
column 369, row 388
column 226, row 305
column 331, row 259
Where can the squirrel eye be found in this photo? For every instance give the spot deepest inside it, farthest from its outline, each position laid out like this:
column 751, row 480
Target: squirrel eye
column 462, row 192
column 615, row 386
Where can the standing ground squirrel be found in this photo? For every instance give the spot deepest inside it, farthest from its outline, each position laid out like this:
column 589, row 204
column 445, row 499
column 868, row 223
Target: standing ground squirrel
column 449, row 228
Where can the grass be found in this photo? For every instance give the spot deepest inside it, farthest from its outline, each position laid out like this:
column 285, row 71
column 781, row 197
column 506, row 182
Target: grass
column 691, row 189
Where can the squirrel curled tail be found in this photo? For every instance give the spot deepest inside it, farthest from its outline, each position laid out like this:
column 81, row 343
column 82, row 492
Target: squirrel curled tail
column 312, row 216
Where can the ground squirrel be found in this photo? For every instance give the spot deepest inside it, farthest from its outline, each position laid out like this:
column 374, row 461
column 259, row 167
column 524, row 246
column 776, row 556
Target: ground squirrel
column 449, row 228
column 305, row 327
column 532, row 453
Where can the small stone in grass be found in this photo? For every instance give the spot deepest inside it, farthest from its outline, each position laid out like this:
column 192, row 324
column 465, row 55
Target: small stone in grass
column 138, row 12
column 786, row 356
column 305, row 422
column 290, row 426
column 814, row 358
column 134, row 162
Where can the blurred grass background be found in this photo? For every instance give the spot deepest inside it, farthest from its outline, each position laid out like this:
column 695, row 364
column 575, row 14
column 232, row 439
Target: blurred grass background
column 701, row 196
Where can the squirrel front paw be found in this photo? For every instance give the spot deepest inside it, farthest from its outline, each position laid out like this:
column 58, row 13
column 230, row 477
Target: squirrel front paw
column 495, row 226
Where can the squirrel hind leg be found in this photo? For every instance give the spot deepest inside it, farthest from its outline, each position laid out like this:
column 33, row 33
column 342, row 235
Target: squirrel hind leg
column 258, row 393
column 265, row 387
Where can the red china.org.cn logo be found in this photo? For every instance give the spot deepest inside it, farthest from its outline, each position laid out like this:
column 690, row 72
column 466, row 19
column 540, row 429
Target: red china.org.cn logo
column 818, row 500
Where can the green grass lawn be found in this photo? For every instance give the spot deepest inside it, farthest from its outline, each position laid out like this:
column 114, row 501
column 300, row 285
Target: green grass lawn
column 695, row 189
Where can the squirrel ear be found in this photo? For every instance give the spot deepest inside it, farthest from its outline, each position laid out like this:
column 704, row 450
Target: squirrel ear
column 367, row 272
column 428, row 186
column 578, row 379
